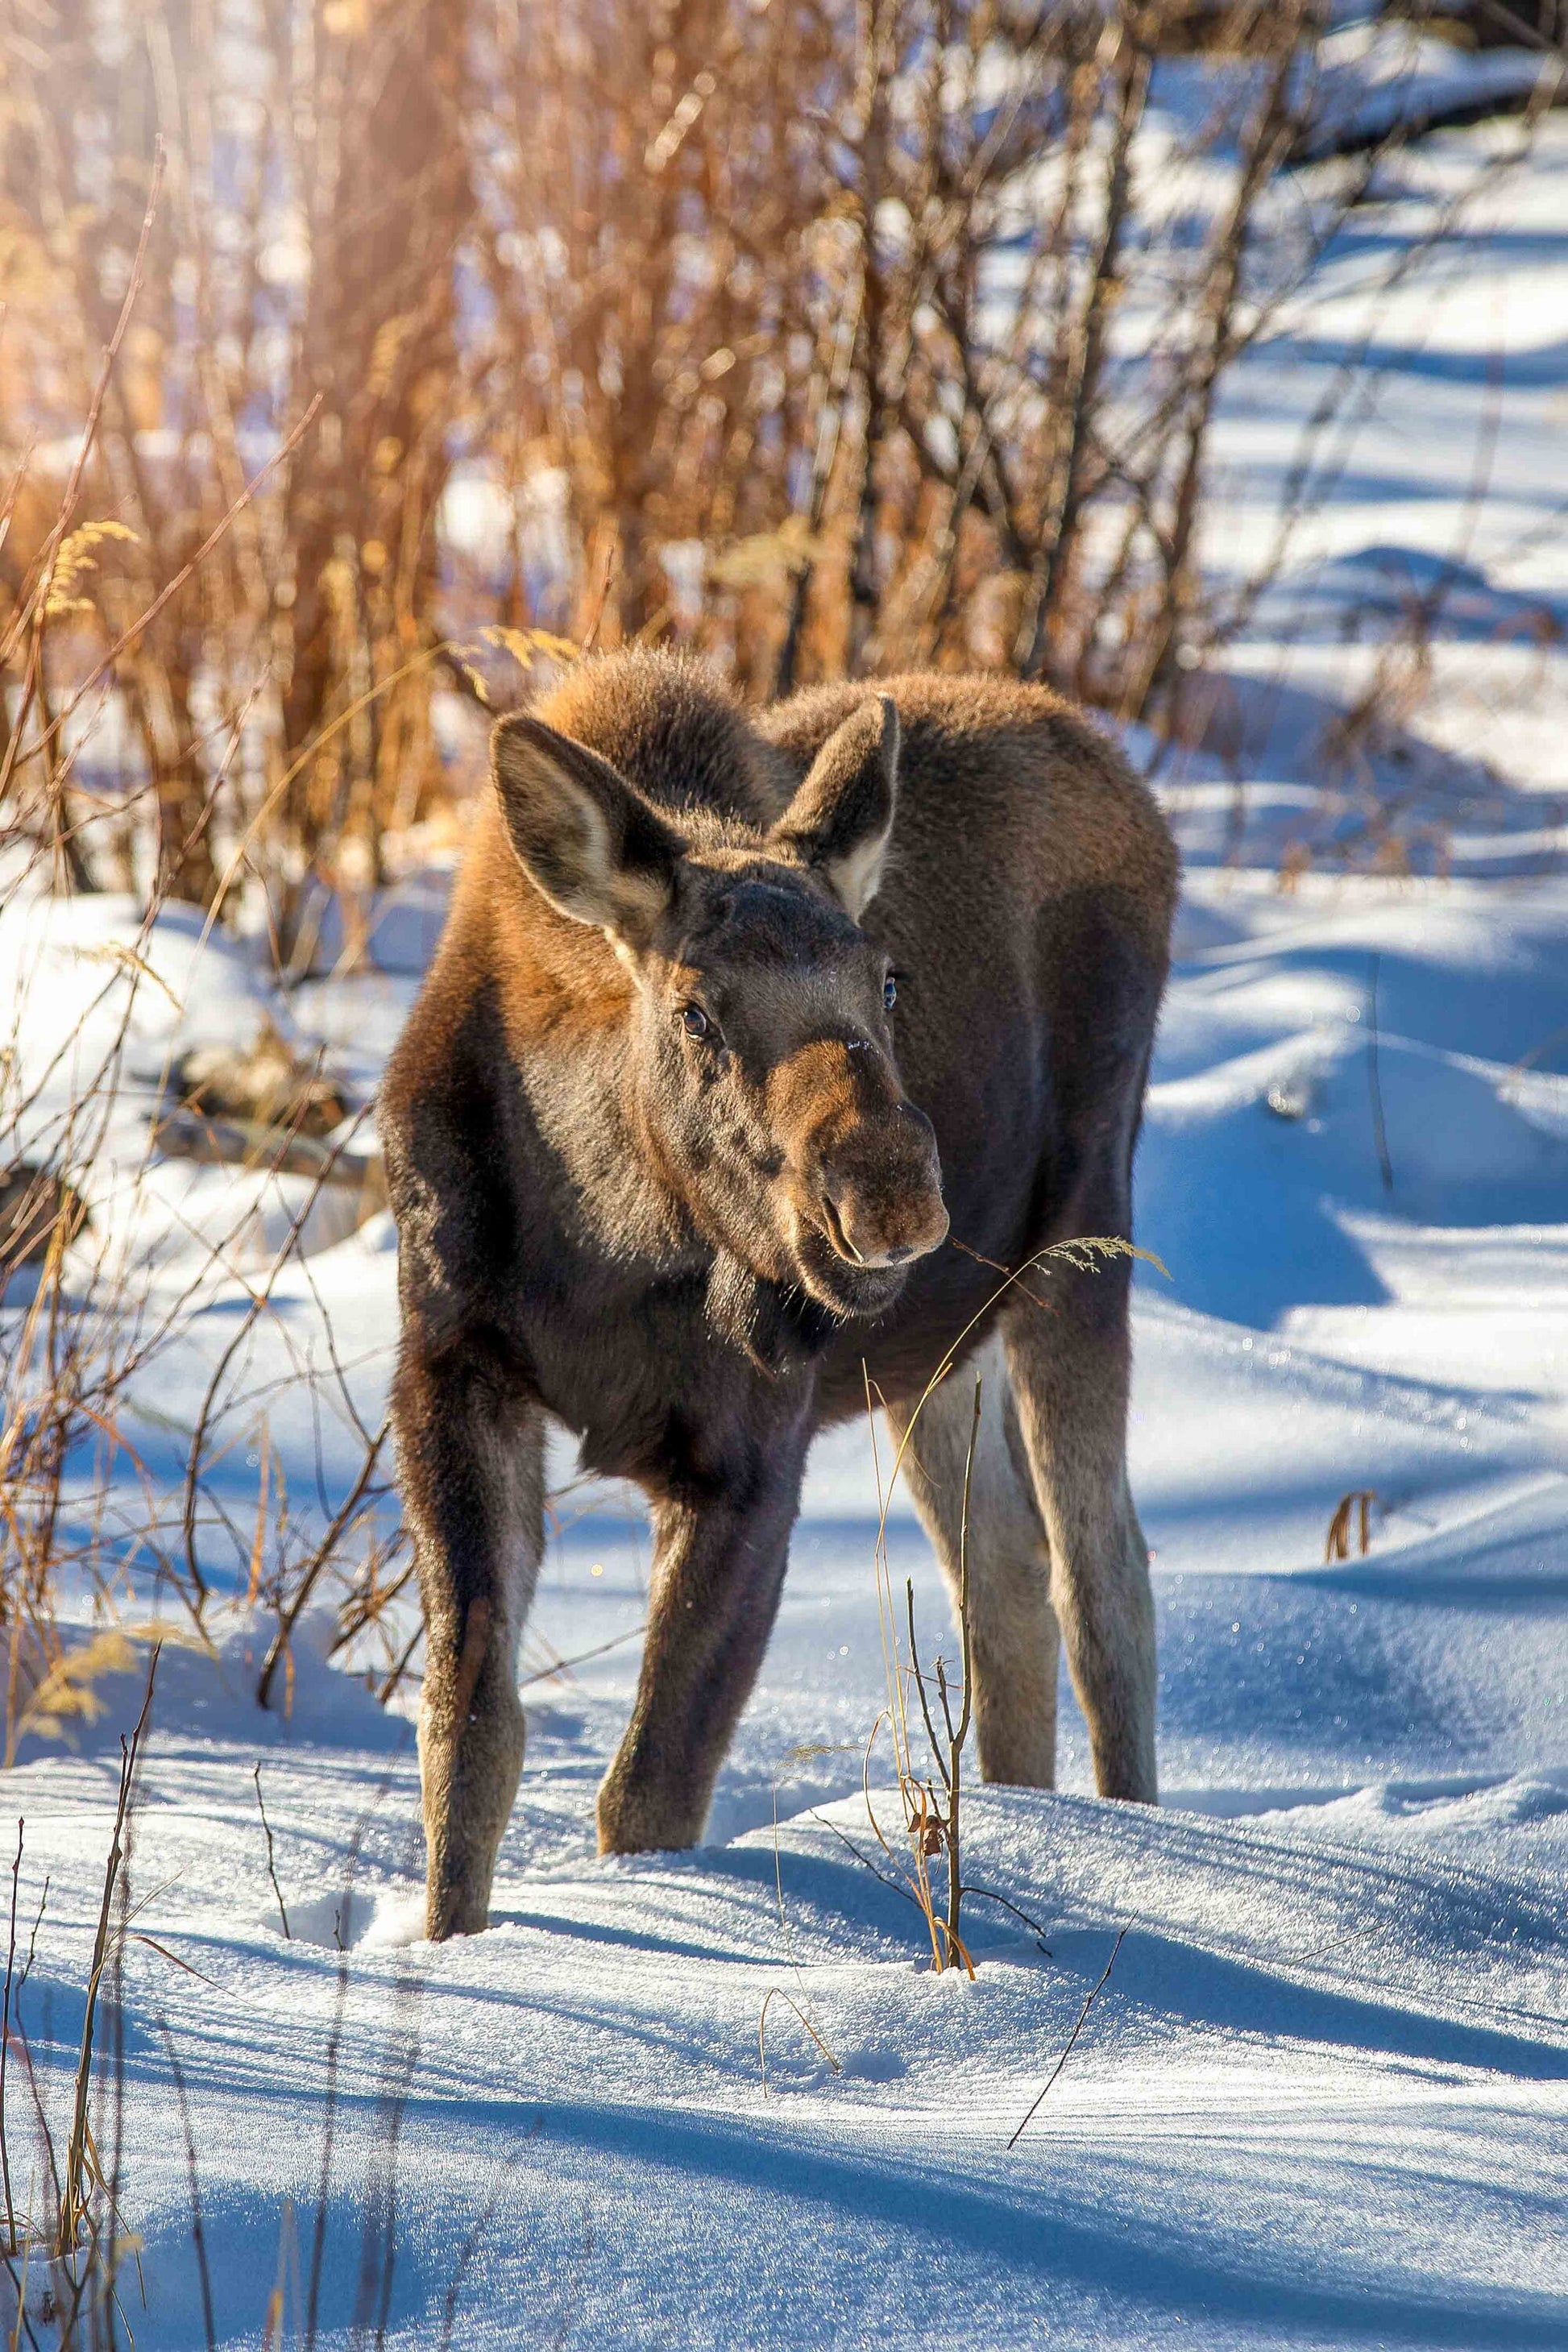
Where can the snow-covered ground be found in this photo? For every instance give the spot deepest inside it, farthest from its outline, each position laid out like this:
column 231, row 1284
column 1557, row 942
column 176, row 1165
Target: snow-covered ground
column 1321, row 2099
column 1324, row 2096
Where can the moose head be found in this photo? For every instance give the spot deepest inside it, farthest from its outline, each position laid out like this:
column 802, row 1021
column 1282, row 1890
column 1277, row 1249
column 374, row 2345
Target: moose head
column 759, row 1042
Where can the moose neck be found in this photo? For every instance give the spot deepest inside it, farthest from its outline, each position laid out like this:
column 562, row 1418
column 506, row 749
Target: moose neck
column 779, row 1328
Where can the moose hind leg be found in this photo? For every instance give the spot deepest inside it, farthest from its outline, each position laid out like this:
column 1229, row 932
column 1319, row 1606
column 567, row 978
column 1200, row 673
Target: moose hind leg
column 1070, row 1378
column 1013, row 1636
column 472, row 1459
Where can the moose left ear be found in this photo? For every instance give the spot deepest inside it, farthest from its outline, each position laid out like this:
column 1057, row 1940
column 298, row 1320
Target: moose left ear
column 587, row 842
column 840, row 818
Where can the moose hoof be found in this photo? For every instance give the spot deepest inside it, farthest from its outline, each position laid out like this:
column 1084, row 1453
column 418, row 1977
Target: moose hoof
column 639, row 1821
column 451, row 1911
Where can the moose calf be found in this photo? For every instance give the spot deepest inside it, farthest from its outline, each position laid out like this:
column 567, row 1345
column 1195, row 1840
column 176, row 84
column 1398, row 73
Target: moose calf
column 757, row 1051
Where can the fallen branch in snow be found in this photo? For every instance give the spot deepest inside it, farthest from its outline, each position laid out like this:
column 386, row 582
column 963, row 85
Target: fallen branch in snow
column 271, row 1865
column 244, row 1143
column 1072, row 2037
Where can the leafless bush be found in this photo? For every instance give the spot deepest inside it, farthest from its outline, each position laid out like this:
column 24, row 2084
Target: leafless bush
column 821, row 339
column 354, row 362
column 918, row 367
column 298, row 264
column 86, row 1326
column 63, row 2246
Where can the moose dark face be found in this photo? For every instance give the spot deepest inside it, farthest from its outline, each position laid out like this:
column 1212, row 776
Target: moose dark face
column 761, row 1031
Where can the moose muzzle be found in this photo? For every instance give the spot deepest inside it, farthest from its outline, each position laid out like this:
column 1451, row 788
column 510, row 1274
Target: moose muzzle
column 869, row 1178
column 880, row 1190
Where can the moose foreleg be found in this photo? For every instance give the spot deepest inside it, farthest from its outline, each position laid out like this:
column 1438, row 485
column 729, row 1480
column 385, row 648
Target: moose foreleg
column 471, row 1454
column 719, row 1569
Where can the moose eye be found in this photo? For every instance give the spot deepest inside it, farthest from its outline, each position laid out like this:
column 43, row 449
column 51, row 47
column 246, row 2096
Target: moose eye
column 891, row 991
column 695, row 1022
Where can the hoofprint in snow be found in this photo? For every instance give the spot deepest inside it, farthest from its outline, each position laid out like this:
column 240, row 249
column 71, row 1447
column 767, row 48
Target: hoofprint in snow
column 1321, row 2098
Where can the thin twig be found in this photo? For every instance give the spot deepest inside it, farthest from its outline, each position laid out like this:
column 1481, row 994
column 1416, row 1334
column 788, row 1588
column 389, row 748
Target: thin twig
column 919, row 1681
column 5, row 2045
column 1072, row 2037
column 1379, row 1134
column 481, row 2223
column 401, row 1668
column 865, row 1861
column 73, row 2204
column 955, row 1748
column 777, row 1992
column 289, row 1617
column 198, row 2233
column 801, row 2007
column 271, row 1869
column 581, row 1657
column 989, row 1895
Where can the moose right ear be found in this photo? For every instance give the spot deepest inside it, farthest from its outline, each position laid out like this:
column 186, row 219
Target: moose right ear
column 589, row 843
column 840, row 819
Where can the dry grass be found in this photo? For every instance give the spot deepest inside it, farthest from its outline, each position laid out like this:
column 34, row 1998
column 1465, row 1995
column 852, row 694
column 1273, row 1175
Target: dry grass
column 82, row 1505
column 355, row 373
column 358, row 368
column 63, row 2247
column 929, row 1778
column 416, row 348
column 1354, row 1508
column 930, row 1781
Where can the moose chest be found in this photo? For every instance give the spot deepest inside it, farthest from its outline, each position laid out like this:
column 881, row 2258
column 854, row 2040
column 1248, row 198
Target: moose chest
column 652, row 1393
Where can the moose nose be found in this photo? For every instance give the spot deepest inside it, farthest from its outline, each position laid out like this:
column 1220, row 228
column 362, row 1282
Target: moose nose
column 881, row 1194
